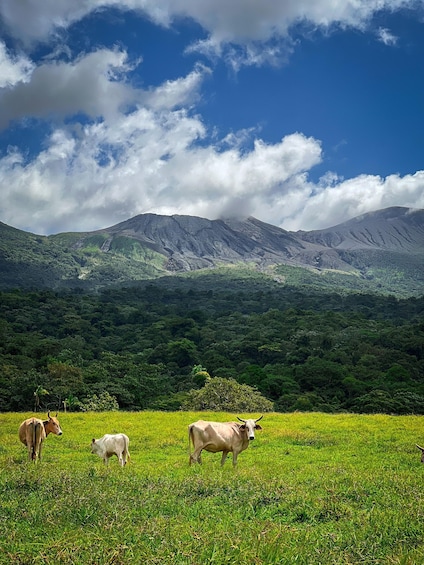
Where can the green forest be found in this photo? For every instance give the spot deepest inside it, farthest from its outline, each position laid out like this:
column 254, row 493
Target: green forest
column 151, row 346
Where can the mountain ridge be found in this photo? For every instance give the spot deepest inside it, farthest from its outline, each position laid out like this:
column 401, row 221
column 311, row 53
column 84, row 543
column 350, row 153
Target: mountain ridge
column 395, row 228
column 148, row 246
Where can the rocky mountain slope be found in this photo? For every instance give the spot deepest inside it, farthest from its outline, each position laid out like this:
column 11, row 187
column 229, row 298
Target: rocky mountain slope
column 392, row 229
column 388, row 243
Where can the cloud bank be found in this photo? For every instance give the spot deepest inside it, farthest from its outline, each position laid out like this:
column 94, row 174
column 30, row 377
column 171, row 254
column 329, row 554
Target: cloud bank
column 113, row 150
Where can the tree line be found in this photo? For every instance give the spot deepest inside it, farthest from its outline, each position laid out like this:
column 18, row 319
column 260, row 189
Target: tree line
column 153, row 346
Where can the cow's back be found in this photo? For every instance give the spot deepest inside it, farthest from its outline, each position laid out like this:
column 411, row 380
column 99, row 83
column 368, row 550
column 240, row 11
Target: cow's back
column 26, row 430
column 215, row 435
column 111, row 441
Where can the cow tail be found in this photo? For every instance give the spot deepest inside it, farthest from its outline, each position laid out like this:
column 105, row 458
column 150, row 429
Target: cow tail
column 190, row 441
column 127, row 448
column 34, row 426
column 32, row 430
column 37, row 438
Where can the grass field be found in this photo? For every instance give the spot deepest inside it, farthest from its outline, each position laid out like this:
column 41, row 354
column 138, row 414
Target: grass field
column 312, row 489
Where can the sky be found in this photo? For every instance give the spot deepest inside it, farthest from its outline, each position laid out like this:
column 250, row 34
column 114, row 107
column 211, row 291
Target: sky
column 301, row 113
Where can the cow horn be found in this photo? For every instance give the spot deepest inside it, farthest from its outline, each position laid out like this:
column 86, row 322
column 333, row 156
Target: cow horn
column 48, row 414
column 422, row 448
column 241, row 419
column 260, row 418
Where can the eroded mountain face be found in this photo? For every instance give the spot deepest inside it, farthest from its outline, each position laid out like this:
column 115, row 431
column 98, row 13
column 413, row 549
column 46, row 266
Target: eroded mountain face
column 150, row 246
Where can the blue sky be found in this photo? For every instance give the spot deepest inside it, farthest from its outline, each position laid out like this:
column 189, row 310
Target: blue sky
column 302, row 114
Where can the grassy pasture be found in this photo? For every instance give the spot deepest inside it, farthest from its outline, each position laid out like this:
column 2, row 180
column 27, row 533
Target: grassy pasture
column 312, row 489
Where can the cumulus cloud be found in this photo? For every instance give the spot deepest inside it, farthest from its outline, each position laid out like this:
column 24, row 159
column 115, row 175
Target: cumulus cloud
column 336, row 202
column 146, row 161
column 246, row 23
column 150, row 161
column 31, row 20
column 13, row 68
column 146, row 149
column 87, row 85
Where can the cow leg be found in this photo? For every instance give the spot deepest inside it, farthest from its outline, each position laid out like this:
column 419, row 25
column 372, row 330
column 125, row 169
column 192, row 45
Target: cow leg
column 106, row 460
column 235, row 455
column 224, row 457
column 121, row 461
column 196, row 457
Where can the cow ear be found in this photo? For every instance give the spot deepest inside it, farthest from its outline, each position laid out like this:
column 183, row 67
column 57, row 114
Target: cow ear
column 242, row 426
column 93, row 440
column 258, row 427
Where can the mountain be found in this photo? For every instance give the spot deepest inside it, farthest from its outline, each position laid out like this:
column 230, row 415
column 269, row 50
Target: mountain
column 381, row 251
column 393, row 229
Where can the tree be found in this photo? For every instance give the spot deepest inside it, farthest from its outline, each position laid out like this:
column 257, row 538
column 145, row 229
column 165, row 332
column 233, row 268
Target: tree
column 375, row 402
column 63, row 380
column 104, row 402
column 182, row 351
column 38, row 393
column 199, row 375
column 227, row 395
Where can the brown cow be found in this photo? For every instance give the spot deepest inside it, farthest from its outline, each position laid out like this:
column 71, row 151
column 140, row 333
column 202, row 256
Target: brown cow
column 216, row 436
column 33, row 431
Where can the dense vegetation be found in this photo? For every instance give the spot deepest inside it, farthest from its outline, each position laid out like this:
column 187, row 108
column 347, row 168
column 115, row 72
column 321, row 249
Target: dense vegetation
column 146, row 347
column 312, row 489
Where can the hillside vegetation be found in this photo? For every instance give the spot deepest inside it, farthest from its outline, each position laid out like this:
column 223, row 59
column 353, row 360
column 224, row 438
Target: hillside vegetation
column 311, row 488
column 146, row 347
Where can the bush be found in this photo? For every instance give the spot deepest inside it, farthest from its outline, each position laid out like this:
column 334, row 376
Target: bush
column 104, row 402
column 227, row 395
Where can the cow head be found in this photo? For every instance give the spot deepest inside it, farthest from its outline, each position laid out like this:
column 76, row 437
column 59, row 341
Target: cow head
column 422, row 453
column 52, row 425
column 250, row 426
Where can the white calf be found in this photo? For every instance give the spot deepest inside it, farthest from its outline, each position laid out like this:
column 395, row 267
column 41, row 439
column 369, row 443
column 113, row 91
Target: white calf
column 112, row 444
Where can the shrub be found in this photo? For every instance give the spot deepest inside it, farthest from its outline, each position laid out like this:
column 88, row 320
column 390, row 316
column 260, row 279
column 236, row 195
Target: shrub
column 104, row 402
column 227, row 395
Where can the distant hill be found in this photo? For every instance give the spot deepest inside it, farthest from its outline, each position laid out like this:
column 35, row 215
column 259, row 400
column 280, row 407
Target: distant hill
column 381, row 252
column 393, row 229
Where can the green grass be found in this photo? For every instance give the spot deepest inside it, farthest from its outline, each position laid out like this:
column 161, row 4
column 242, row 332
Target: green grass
column 312, row 489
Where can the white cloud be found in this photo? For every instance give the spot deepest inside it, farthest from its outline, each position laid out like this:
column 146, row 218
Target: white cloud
column 246, row 23
column 335, row 202
column 386, row 37
column 31, row 20
column 148, row 160
column 13, row 68
column 173, row 93
column 87, row 85
column 141, row 153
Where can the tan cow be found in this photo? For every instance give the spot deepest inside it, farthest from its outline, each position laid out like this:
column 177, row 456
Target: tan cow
column 228, row 437
column 33, row 431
